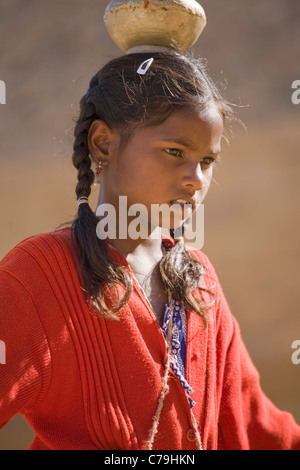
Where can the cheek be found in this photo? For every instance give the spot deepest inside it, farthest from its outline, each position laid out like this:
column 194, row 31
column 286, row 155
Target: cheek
column 208, row 174
column 207, row 181
column 137, row 180
column 144, row 175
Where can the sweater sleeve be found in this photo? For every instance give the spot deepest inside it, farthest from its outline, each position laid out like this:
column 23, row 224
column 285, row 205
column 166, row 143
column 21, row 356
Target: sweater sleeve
column 248, row 420
column 25, row 356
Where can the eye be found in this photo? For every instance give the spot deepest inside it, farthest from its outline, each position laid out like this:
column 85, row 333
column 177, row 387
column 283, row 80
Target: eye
column 209, row 161
column 174, row 152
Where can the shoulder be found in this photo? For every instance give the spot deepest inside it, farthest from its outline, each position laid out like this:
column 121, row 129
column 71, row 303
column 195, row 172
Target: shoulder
column 61, row 237
column 36, row 278
column 38, row 257
column 35, row 246
column 24, row 295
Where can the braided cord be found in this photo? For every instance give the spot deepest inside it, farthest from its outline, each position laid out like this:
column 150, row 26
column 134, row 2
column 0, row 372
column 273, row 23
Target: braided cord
column 197, row 433
column 165, row 387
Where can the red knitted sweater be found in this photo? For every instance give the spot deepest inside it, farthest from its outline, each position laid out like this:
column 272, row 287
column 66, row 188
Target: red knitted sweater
column 83, row 382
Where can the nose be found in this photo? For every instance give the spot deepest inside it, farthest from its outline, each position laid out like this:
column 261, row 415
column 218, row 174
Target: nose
column 194, row 177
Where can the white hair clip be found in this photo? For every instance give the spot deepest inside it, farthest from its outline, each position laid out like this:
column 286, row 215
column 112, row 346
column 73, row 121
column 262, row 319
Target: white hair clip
column 144, row 66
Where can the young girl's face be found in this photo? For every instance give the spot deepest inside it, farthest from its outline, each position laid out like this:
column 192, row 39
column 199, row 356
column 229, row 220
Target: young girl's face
column 164, row 163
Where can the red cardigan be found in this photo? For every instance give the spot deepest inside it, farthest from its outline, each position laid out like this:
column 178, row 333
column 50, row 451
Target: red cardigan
column 83, row 382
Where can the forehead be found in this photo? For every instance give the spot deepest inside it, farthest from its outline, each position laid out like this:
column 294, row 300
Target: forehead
column 194, row 127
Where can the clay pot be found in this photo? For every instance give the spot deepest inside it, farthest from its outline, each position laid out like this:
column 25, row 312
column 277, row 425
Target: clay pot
column 138, row 25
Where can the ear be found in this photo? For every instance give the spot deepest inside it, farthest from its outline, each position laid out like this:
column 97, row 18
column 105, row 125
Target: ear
column 100, row 140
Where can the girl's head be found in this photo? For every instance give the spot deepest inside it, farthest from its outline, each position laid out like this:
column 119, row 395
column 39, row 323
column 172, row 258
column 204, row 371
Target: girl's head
column 127, row 101
column 175, row 95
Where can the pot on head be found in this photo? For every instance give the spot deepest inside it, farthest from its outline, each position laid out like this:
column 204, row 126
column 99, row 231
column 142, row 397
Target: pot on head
column 143, row 25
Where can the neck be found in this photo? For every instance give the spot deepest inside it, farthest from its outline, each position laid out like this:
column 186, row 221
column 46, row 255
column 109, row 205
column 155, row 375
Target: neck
column 142, row 248
column 130, row 235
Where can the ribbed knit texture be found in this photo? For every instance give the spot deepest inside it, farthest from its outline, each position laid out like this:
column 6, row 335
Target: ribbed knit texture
column 83, row 382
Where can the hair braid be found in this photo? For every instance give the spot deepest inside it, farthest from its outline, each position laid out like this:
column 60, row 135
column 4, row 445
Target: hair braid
column 81, row 156
column 95, row 266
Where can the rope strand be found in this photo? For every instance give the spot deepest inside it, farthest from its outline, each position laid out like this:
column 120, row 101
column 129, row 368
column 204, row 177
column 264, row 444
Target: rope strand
column 197, row 433
column 165, row 387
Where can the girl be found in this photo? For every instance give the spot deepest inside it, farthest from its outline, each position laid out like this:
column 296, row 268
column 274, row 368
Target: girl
column 126, row 342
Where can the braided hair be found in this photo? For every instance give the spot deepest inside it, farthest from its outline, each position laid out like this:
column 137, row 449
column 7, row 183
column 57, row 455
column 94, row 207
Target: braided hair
column 95, row 266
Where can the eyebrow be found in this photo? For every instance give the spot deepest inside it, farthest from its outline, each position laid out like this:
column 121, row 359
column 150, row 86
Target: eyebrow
column 189, row 144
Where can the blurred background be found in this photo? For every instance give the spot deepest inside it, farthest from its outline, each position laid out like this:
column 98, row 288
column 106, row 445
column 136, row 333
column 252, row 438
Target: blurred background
column 48, row 52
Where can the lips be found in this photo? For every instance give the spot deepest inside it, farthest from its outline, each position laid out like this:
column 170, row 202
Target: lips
column 184, row 201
